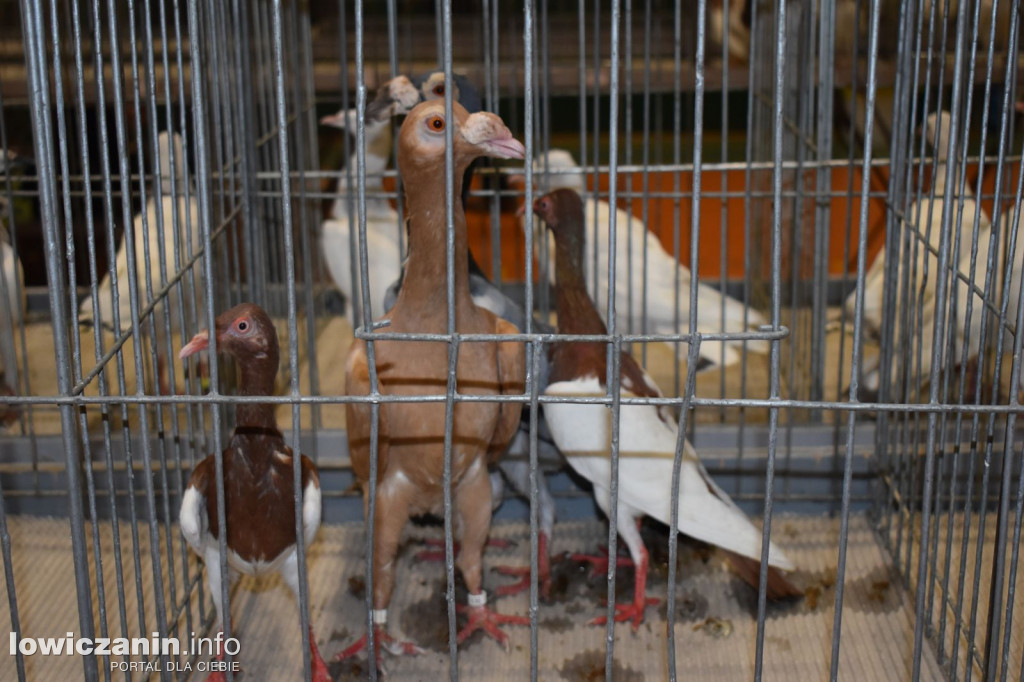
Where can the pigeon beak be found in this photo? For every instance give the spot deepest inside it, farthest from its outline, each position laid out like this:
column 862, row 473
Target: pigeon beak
column 200, row 341
column 505, row 146
column 338, row 120
column 487, row 132
column 521, row 211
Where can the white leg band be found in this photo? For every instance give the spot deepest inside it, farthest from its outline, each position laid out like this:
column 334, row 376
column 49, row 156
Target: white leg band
column 479, row 599
column 380, row 616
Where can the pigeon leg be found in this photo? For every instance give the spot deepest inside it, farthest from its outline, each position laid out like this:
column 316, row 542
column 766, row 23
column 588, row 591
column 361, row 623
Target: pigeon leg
column 474, row 509
column 523, row 584
column 629, row 530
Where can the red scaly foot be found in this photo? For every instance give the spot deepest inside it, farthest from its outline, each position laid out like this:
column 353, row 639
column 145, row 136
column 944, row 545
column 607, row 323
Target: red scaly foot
column 383, row 641
column 438, row 554
column 599, row 562
column 483, row 618
column 523, row 584
column 633, row 612
column 219, row 675
column 317, row 665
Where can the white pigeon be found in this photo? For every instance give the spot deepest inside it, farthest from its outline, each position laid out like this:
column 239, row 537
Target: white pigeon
column 659, row 274
column 382, row 227
column 977, row 295
column 12, row 279
column 648, row 435
column 180, row 225
column 924, row 215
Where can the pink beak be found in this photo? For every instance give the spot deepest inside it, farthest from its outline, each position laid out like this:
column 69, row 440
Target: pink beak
column 200, row 341
column 521, row 211
column 335, row 120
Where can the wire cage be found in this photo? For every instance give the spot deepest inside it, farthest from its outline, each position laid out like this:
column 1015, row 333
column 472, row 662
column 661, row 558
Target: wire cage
column 815, row 211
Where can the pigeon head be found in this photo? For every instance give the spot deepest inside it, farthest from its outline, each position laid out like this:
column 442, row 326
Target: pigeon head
column 244, row 332
column 433, row 88
column 171, row 166
column 567, row 172
column 936, row 131
column 396, row 97
column 562, row 211
column 422, row 139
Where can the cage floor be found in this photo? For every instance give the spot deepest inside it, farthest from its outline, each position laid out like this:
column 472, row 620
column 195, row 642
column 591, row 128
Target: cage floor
column 715, row 628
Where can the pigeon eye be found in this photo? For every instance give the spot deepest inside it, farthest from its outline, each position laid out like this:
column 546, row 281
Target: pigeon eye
column 435, row 123
column 439, row 90
column 243, row 326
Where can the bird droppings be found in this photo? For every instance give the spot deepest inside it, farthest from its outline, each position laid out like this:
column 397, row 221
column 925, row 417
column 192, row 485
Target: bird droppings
column 817, row 592
column 690, row 553
column 339, row 635
column 690, row 607
column 873, row 593
column 569, row 580
column 878, row 590
column 575, row 608
column 357, row 586
column 426, row 622
column 719, row 628
column 778, row 643
column 350, row 669
column 559, row 625
column 589, row 666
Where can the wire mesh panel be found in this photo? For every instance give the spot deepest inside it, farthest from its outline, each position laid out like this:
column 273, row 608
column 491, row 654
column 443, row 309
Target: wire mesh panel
column 159, row 202
column 787, row 323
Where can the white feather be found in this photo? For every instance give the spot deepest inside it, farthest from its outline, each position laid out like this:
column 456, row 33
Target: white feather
column 192, row 519
column 917, row 280
column 716, row 312
column 180, row 225
column 310, row 512
column 382, row 227
column 646, row 448
column 13, row 281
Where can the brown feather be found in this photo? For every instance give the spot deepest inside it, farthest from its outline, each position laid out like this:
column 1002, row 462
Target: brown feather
column 749, row 570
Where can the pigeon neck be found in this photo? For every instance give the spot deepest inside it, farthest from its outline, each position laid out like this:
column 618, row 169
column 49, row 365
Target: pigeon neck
column 576, row 312
column 257, row 378
column 426, row 271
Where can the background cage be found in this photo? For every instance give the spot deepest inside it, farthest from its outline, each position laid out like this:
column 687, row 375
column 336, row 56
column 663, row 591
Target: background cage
column 772, row 147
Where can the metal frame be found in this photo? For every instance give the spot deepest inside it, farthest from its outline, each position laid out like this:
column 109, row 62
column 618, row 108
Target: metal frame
column 243, row 92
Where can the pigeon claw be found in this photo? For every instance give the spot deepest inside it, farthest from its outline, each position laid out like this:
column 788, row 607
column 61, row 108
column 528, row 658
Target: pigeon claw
column 632, row 612
column 483, row 618
column 384, row 642
column 599, row 562
column 523, row 584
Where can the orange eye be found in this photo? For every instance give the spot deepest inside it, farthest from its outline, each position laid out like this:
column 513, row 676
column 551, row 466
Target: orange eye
column 439, row 90
column 435, row 123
